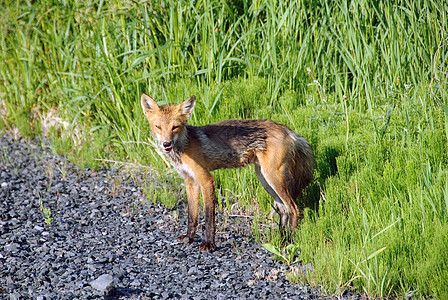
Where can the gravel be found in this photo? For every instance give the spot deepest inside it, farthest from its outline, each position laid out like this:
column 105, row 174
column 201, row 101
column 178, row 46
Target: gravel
column 67, row 233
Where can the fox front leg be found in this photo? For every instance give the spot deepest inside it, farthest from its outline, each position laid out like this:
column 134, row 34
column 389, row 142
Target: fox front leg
column 193, row 190
column 208, row 194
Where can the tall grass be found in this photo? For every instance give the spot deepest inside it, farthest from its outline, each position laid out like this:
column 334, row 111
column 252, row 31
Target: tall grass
column 365, row 82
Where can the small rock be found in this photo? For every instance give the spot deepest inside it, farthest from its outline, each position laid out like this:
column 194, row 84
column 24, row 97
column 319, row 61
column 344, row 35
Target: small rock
column 251, row 282
column 13, row 247
column 192, row 270
column 135, row 283
column 105, row 283
column 14, row 296
column 4, row 185
column 259, row 274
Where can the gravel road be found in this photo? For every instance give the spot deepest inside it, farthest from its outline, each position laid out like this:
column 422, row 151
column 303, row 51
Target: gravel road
column 104, row 238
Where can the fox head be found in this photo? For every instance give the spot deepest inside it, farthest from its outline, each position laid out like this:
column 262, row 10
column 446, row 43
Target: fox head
column 168, row 122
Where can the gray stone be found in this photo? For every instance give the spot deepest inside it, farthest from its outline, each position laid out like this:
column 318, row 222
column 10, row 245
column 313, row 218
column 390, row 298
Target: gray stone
column 13, row 247
column 40, row 228
column 14, row 296
column 105, row 283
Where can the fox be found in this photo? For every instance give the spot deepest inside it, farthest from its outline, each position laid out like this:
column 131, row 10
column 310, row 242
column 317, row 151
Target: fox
column 283, row 160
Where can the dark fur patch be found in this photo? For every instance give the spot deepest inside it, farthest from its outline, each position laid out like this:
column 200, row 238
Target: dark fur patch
column 232, row 142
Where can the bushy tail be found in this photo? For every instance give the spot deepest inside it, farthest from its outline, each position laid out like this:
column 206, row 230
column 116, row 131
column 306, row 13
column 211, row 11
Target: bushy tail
column 301, row 165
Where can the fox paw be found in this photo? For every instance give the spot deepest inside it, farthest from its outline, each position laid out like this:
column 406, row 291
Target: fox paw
column 185, row 238
column 207, row 246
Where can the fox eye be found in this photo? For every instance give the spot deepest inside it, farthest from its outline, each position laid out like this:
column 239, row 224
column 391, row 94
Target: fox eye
column 175, row 127
column 158, row 127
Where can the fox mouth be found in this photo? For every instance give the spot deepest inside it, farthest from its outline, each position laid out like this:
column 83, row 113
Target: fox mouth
column 168, row 149
column 167, row 146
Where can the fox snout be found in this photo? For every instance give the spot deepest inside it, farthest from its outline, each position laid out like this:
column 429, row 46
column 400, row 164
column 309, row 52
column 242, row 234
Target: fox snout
column 167, row 146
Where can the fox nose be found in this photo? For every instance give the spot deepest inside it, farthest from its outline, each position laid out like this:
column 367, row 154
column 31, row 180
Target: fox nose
column 167, row 146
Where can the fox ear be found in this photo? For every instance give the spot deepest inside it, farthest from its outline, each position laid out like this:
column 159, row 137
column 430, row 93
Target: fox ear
column 148, row 104
column 187, row 106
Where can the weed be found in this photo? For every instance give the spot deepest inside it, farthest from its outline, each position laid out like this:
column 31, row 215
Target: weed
column 46, row 212
column 5, row 157
column 47, row 216
column 62, row 168
column 286, row 255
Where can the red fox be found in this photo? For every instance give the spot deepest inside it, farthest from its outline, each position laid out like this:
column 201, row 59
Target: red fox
column 283, row 160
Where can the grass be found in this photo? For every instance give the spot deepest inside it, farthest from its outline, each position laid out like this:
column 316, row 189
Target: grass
column 365, row 82
column 371, row 228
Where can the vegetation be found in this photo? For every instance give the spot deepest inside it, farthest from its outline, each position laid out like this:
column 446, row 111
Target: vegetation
column 364, row 81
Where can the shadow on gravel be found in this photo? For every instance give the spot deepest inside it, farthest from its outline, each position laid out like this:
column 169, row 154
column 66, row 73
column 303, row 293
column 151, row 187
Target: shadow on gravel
column 120, row 292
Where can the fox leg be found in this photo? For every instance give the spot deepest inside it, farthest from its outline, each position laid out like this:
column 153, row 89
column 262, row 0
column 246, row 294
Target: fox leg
column 272, row 177
column 193, row 190
column 278, row 203
column 207, row 183
column 208, row 195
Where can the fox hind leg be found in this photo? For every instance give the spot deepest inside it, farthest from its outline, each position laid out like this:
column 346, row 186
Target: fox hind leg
column 274, row 183
column 278, row 203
